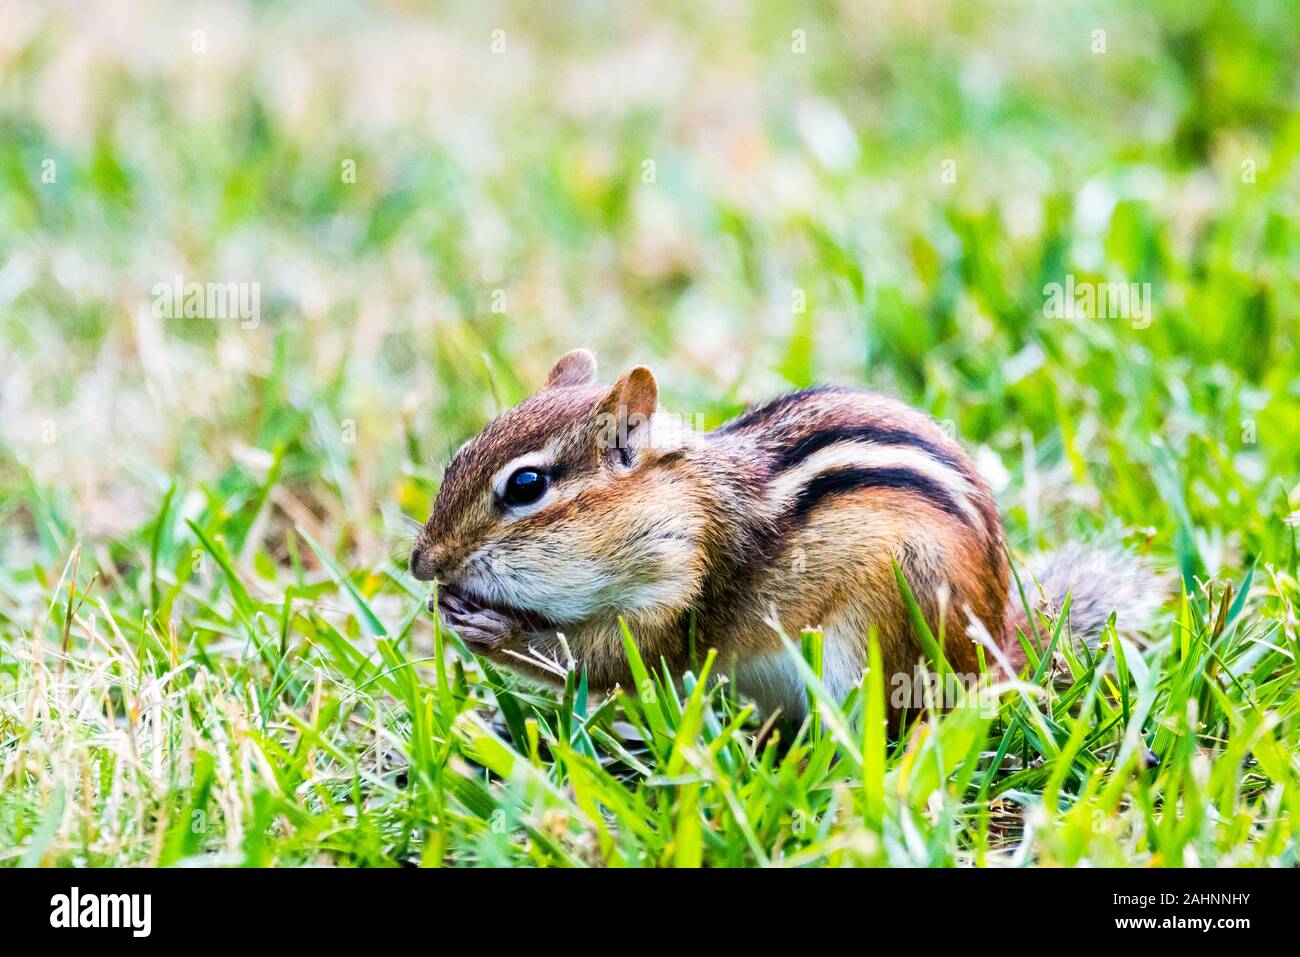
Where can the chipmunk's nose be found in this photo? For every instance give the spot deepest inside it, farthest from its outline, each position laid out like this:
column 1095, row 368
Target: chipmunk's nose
column 424, row 566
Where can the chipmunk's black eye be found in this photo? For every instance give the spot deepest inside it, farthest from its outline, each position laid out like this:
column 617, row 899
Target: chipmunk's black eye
column 525, row 486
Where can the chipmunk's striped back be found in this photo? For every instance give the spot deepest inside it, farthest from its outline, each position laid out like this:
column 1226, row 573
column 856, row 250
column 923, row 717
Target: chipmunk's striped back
column 828, row 441
column 846, row 481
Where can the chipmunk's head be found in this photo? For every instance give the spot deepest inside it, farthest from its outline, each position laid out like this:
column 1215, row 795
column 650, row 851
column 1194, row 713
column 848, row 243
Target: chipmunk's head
column 568, row 508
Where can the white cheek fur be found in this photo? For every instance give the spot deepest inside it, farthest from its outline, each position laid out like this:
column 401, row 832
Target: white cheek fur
column 580, row 586
column 566, row 591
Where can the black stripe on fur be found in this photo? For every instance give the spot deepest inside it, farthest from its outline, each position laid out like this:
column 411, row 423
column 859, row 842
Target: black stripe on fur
column 839, row 481
column 866, row 433
column 762, row 414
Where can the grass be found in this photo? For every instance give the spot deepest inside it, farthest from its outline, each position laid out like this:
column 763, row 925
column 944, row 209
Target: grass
column 209, row 648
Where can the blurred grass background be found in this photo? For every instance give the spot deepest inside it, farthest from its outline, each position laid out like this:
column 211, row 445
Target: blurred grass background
column 747, row 197
column 522, row 172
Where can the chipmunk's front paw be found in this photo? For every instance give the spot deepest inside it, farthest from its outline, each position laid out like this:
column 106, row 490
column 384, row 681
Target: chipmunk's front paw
column 481, row 628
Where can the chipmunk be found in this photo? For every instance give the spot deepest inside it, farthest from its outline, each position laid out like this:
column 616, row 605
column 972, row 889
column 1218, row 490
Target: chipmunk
column 586, row 504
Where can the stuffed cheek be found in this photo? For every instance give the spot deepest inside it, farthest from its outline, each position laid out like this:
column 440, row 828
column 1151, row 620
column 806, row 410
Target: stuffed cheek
column 566, row 579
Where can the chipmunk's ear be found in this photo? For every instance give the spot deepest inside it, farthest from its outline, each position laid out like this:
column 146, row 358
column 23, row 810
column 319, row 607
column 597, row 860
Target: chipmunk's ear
column 635, row 394
column 577, row 367
column 623, row 416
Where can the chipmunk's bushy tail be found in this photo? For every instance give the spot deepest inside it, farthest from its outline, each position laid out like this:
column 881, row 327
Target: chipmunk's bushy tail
column 1098, row 581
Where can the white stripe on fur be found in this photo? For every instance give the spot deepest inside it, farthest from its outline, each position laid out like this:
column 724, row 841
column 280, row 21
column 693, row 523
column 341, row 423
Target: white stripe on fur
column 873, row 455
